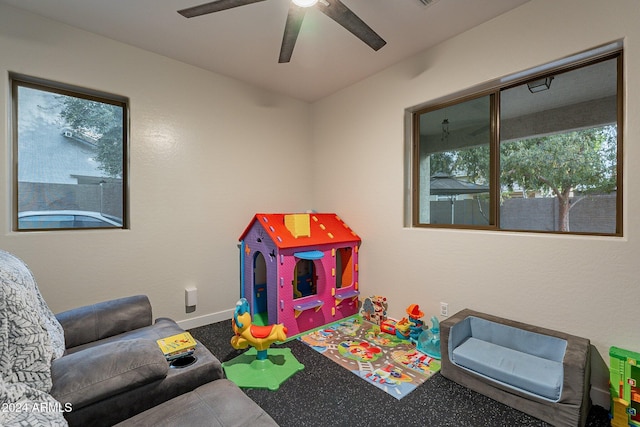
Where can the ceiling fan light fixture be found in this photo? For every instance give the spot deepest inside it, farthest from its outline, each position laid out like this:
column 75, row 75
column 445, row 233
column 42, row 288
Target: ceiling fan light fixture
column 445, row 130
column 305, row 3
column 334, row 9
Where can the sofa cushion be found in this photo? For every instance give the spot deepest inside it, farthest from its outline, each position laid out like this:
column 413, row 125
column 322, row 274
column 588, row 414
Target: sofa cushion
column 536, row 375
column 105, row 319
column 100, row 372
column 162, row 328
column 219, row 403
column 541, row 345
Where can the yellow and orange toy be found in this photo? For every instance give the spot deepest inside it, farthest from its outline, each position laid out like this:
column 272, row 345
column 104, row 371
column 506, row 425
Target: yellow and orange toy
column 248, row 334
column 255, row 368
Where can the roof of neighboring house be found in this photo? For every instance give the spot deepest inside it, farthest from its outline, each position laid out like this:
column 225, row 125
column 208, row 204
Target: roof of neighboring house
column 446, row 185
column 323, row 228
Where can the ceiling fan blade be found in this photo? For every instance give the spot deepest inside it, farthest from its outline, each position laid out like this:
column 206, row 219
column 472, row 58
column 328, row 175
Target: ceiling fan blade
column 214, row 6
column 340, row 13
column 291, row 30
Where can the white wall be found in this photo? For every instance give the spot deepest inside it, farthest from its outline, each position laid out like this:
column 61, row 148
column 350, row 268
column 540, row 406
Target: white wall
column 207, row 153
column 587, row 286
column 190, row 127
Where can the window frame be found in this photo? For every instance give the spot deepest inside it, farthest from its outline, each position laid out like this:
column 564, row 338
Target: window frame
column 493, row 163
column 494, row 89
column 17, row 80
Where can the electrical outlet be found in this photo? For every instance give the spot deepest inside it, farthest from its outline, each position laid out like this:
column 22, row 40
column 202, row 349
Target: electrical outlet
column 444, row 309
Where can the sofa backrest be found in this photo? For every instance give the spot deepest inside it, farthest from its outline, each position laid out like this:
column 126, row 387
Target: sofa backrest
column 105, row 319
column 545, row 346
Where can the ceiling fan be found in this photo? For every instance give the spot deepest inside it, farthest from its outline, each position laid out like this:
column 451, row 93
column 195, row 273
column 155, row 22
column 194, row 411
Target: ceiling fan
column 334, row 9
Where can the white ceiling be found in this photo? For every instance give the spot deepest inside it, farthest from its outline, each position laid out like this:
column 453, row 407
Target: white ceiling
column 244, row 42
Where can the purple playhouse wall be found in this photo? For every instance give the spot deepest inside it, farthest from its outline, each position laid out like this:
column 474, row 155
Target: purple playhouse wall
column 256, row 243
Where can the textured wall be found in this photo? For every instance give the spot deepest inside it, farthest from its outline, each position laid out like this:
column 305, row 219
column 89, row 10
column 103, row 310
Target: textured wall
column 586, row 286
column 202, row 148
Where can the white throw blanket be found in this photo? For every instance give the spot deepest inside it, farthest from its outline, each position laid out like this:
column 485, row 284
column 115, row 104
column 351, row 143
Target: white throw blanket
column 30, row 338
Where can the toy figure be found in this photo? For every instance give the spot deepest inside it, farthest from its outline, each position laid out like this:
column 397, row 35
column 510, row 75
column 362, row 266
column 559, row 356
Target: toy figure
column 255, row 368
column 402, row 328
column 247, row 334
column 374, row 309
column 415, row 321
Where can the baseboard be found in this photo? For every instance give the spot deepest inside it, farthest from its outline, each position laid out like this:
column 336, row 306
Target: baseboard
column 206, row 319
column 600, row 397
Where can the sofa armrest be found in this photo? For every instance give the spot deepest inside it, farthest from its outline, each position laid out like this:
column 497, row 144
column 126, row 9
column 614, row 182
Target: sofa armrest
column 453, row 331
column 458, row 334
column 94, row 374
column 577, row 370
column 102, row 320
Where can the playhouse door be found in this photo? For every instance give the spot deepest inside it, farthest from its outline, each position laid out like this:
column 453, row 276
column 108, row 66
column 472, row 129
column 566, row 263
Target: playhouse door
column 260, row 316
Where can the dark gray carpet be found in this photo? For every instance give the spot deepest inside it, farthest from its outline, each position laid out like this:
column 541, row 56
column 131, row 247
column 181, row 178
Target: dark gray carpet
column 325, row 394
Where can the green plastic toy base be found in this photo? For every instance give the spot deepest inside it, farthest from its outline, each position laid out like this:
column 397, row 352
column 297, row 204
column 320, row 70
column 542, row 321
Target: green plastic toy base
column 247, row 371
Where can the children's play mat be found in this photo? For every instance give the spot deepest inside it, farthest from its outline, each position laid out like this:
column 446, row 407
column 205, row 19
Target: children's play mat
column 390, row 363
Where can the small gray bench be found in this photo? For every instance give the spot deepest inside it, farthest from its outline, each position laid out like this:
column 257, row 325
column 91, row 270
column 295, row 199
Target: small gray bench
column 541, row 372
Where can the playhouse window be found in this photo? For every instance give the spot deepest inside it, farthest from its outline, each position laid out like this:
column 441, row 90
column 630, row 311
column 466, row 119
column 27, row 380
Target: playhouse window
column 304, row 279
column 344, row 267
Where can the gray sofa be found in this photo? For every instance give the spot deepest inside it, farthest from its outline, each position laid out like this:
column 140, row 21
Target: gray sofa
column 541, row 372
column 100, row 365
column 113, row 368
column 216, row 404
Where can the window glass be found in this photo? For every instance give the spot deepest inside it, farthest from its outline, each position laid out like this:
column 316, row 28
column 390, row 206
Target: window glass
column 538, row 154
column 70, row 156
column 454, row 163
column 558, row 152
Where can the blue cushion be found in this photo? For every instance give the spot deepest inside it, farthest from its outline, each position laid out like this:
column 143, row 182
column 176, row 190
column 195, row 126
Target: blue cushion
column 521, row 370
column 540, row 345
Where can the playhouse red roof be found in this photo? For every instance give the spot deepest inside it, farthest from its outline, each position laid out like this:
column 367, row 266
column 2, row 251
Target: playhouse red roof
column 324, row 228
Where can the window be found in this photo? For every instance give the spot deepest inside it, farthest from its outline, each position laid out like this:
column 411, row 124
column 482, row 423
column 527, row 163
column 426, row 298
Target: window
column 305, row 281
column 454, row 163
column 540, row 153
column 69, row 150
column 344, row 268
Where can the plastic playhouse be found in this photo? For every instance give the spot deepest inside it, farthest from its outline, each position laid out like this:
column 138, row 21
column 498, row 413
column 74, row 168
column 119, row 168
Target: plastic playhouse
column 300, row 270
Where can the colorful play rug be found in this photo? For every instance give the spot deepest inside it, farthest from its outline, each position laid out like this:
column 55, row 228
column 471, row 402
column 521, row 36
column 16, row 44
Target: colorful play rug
column 390, row 363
